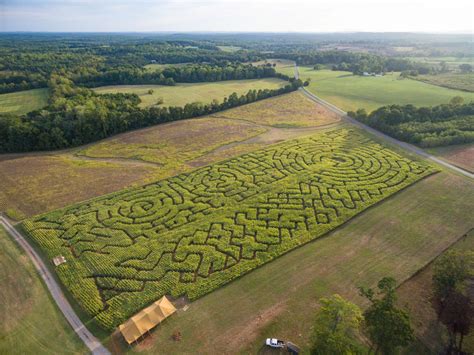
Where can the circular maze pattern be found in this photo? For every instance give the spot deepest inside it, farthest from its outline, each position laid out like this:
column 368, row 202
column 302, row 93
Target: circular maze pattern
column 194, row 232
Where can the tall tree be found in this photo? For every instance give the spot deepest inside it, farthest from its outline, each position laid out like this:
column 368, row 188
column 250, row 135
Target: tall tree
column 387, row 326
column 336, row 327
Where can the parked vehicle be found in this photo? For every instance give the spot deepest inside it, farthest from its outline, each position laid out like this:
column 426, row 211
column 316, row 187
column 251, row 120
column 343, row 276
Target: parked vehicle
column 275, row 343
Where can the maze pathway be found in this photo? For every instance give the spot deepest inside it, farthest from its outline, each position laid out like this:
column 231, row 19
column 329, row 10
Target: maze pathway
column 192, row 233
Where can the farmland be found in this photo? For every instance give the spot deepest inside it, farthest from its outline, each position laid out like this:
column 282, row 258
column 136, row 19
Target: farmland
column 280, row 298
column 181, row 94
column 173, row 144
column 192, row 233
column 29, row 319
column 351, row 92
column 23, row 101
column 294, row 110
column 456, row 81
column 459, row 155
column 283, row 66
column 35, row 183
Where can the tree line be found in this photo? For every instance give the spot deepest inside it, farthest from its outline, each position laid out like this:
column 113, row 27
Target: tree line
column 440, row 125
column 77, row 115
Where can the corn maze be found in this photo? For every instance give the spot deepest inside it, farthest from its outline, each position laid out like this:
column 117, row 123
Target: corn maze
column 192, row 233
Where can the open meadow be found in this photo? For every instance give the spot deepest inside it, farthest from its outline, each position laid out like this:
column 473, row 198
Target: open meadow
column 22, row 102
column 191, row 234
column 182, row 93
column 287, row 111
column 457, row 81
column 31, row 322
column 351, row 92
column 283, row 66
column 280, row 298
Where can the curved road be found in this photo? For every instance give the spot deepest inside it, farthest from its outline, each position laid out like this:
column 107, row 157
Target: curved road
column 379, row 134
column 89, row 340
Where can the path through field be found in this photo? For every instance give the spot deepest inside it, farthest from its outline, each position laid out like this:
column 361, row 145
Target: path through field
column 89, row 340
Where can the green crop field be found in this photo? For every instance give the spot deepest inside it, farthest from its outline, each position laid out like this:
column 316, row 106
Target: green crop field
column 192, row 233
column 23, row 101
column 456, row 81
column 31, row 322
column 351, row 92
column 181, row 94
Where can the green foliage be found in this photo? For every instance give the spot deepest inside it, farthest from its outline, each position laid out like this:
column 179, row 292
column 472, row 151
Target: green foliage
column 451, row 271
column 425, row 126
column 387, row 326
column 77, row 116
column 192, row 233
column 336, row 327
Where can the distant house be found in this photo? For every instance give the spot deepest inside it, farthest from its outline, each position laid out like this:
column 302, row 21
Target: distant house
column 152, row 61
column 365, row 74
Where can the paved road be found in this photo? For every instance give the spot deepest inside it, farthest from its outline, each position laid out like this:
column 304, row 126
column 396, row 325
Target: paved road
column 401, row 144
column 89, row 340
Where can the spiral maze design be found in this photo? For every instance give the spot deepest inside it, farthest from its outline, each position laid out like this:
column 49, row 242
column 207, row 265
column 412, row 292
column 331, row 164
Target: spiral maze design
column 194, row 232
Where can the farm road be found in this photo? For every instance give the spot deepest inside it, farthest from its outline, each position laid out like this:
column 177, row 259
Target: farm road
column 379, row 134
column 89, row 340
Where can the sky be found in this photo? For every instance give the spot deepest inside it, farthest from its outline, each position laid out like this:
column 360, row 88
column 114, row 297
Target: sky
column 436, row 16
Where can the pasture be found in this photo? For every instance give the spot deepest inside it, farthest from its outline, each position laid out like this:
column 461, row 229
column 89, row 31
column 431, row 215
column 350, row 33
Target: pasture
column 31, row 322
column 229, row 49
column 182, row 93
column 283, row 66
column 195, row 232
column 351, row 92
column 280, row 298
column 21, row 102
column 455, row 81
column 291, row 111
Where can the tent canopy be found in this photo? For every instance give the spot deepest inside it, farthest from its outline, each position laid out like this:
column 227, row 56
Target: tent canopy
column 146, row 319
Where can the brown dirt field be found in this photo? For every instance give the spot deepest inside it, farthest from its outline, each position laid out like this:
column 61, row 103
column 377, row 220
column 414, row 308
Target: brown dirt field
column 462, row 156
column 286, row 111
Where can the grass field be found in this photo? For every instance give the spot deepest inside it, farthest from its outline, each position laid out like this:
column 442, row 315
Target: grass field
column 23, row 101
column 280, row 298
column 416, row 294
column 230, row 49
column 158, row 66
column 181, row 94
column 351, row 92
column 192, row 233
column 31, row 323
column 172, row 145
column 456, row 81
column 452, row 62
column 36, row 183
column 290, row 110
column 283, row 66
column 459, row 155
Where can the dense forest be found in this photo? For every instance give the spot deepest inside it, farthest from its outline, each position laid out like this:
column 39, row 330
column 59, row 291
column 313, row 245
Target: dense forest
column 76, row 115
column 441, row 125
column 93, row 60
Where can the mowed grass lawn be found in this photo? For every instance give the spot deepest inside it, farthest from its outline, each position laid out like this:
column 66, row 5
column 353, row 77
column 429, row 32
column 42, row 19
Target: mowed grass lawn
column 181, row 94
column 351, row 92
column 23, row 101
column 395, row 238
column 31, row 323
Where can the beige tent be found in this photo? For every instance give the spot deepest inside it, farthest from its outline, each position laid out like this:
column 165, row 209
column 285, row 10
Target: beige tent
column 146, row 319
